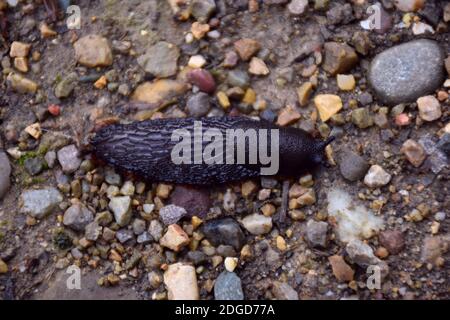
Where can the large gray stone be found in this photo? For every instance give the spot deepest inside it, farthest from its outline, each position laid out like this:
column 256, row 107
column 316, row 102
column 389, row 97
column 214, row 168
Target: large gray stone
column 408, row 71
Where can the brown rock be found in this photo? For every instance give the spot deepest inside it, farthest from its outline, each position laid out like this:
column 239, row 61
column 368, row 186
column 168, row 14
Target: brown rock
column 304, row 92
column 341, row 270
column 195, row 201
column 158, row 92
column 93, row 51
column 21, row 84
column 339, row 58
column 248, row 188
column 19, row 49
column 199, row 29
column 175, row 238
column 433, row 248
column 288, row 116
column 414, row 152
column 258, row 67
column 202, row 79
column 447, row 64
column 327, row 105
column 21, row 64
column 231, row 59
column 247, row 48
column 429, row 108
column 46, row 31
column 392, row 240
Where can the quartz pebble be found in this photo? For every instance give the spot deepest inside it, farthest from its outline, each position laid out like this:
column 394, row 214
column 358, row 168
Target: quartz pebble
column 414, row 152
column 429, row 108
column 181, row 282
column 377, row 177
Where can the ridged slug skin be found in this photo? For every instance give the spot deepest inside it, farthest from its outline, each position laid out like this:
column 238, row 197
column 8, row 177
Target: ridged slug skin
column 144, row 148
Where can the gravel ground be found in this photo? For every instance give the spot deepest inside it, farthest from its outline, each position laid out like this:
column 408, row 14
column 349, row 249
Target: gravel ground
column 373, row 223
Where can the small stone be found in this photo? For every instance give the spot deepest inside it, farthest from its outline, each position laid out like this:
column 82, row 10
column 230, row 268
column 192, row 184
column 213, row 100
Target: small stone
column 181, row 282
column 163, row 190
column 414, row 152
column 199, row 30
column 346, row 82
column 362, row 118
column 69, row 159
column 352, row 166
column 304, row 93
column 196, row 61
column 195, row 201
column 341, row 270
column 238, row 78
column 171, row 214
column 307, row 199
column 339, row 58
column 34, row 130
column 138, row 226
column 202, row 79
column 121, row 207
column 230, row 264
column 93, row 231
column 21, row 64
column 198, row 105
column 21, row 84
column 19, row 49
column 34, row 166
column 5, row 172
column 156, row 230
column 392, row 240
column 327, row 105
column 231, row 59
column 377, row 177
column 433, row 248
column 93, row 51
column 362, row 42
column 39, row 203
column 160, row 60
column 128, row 189
column 407, row 71
column 402, row 120
column 361, row 253
column 409, row 5
column 46, row 31
column 3, row 267
column 288, row 116
column 297, row 7
column 429, row 108
column 175, row 238
column 223, row 100
column 447, row 64
column 316, row 233
column 247, row 48
column 281, row 243
column 258, row 67
column 248, row 188
column 257, row 224
column 228, row 286
column 100, row 83
column 224, row 231
column 283, row 291
column 65, row 87
column 144, row 238
column 202, row 10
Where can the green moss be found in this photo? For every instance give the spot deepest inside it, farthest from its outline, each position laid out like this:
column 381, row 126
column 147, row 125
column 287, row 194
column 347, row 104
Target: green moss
column 27, row 155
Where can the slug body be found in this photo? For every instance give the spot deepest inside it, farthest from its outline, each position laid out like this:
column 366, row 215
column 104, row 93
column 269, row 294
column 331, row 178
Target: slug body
column 146, row 149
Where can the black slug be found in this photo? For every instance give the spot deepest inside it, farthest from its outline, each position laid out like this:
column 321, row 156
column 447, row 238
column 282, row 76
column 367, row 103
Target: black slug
column 147, row 149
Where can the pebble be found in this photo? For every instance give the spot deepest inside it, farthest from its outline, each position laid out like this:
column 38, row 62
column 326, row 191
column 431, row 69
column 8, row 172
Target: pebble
column 247, row 48
column 257, row 224
column 159, row 91
column 316, row 233
column 196, row 61
column 160, row 60
column 238, row 78
column 341, row 270
column 112, row 177
column 433, row 248
column 228, row 286
column 346, row 82
column 413, row 152
column 409, row 5
column 34, row 166
column 407, row 71
column 69, row 158
column 195, row 201
column 144, row 238
column 231, row 59
column 283, row 291
column 34, row 130
column 121, row 207
column 327, row 105
column 339, row 58
column 124, row 235
column 128, row 188
column 93, row 51
column 199, row 30
column 429, row 108
column 224, row 231
column 230, row 263
column 19, row 49
column 202, row 10
column 5, row 172
column 447, row 65
column 392, row 240
column 21, row 84
column 181, row 282
column 258, row 67
column 288, row 116
column 65, row 87
column 297, row 7
column 198, row 105
column 361, row 253
column 175, row 238
column 156, row 229
column 77, row 217
column 304, row 93
column 21, row 64
column 93, row 231
column 202, row 79
column 39, row 203
column 352, row 166
column 3, row 267
column 362, row 118
column 171, row 214
column 139, row 226
column 377, row 177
